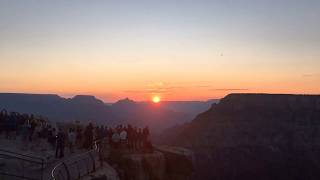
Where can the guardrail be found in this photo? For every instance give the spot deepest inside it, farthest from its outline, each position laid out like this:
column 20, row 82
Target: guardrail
column 79, row 165
column 26, row 163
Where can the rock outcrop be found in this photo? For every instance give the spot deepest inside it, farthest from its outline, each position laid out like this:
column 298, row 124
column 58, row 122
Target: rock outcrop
column 179, row 162
column 255, row 136
column 165, row 163
column 149, row 166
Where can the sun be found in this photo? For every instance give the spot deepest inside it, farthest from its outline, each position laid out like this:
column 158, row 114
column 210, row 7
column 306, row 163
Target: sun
column 156, row 99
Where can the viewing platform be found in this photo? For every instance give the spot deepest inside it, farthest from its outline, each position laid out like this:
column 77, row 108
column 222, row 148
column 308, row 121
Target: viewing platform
column 39, row 163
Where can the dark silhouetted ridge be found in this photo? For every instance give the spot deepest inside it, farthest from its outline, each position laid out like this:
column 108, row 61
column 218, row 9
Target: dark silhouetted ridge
column 255, row 136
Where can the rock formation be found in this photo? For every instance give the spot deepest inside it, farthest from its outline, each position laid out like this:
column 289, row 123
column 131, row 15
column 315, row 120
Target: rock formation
column 255, row 136
column 165, row 163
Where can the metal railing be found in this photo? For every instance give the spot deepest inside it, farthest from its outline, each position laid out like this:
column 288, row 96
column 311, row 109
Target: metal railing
column 79, row 165
column 26, row 163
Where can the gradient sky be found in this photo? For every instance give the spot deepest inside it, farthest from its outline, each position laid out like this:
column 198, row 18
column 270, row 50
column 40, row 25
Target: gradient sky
column 180, row 50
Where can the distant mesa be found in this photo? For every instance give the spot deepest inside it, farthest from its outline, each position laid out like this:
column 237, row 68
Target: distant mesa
column 125, row 102
column 86, row 99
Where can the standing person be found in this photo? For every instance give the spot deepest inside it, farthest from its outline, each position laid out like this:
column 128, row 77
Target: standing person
column 135, row 138
column 123, row 137
column 33, row 125
column 72, row 139
column 36, row 138
column 139, row 138
column 51, row 136
column 99, row 137
column 2, row 117
column 115, row 139
column 13, row 123
column 79, row 137
column 88, row 134
column 24, row 135
column 147, row 145
column 145, row 136
column 6, row 125
column 60, row 143
column 105, row 132
column 110, row 133
column 129, row 137
column 44, row 133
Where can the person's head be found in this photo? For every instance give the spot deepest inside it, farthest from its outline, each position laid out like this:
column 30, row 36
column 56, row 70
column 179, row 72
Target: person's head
column 4, row 112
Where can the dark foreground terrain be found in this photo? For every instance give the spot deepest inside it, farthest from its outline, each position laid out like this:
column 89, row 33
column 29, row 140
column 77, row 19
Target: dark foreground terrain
column 255, row 136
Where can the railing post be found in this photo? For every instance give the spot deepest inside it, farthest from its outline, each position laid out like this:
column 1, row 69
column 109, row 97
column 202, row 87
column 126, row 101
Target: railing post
column 67, row 170
column 93, row 161
column 100, row 151
column 42, row 169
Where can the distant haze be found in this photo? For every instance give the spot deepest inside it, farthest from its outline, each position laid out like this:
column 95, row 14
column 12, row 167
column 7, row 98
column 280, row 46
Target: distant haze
column 85, row 108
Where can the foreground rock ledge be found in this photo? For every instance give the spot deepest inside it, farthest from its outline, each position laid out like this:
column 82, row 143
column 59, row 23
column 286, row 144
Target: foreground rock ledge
column 165, row 163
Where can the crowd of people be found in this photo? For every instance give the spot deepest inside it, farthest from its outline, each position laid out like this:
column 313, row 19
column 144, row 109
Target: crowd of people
column 29, row 127
column 38, row 130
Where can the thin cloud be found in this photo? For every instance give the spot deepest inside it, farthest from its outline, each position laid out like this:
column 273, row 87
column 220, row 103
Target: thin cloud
column 307, row 75
column 230, row 89
column 201, row 86
column 148, row 91
column 134, row 91
column 167, row 88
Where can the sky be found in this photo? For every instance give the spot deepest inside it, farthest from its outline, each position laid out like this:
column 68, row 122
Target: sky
column 177, row 49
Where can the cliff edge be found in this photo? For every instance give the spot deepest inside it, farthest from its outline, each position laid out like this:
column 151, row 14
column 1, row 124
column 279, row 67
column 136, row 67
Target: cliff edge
column 255, row 136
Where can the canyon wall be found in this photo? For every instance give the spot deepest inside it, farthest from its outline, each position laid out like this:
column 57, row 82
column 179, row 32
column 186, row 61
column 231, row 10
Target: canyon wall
column 255, row 136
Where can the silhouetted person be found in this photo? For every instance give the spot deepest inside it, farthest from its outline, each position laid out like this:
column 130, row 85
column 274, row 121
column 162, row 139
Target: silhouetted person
column 123, row 137
column 88, row 135
column 52, row 137
column 71, row 139
column 33, row 125
column 135, row 138
column 145, row 135
column 60, row 144
column 105, row 132
column 116, row 139
column 79, row 137
column 129, row 132
column 139, row 138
